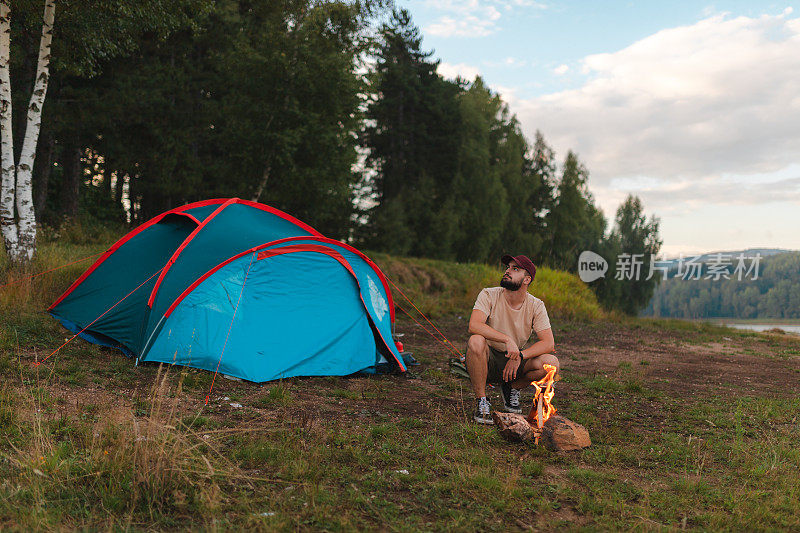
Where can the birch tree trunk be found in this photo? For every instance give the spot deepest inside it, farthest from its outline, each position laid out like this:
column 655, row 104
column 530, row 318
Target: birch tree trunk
column 8, row 173
column 26, row 245
column 267, row 169
column 262, row 184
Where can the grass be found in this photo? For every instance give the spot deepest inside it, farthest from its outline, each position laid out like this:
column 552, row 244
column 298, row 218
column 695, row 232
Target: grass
column 444, row 287
column 92, row 442
column 111, row 470
column 278, row 395
column 718, row 465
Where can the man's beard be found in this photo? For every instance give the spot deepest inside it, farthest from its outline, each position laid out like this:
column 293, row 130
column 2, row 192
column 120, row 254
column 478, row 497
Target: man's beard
column 510, row 285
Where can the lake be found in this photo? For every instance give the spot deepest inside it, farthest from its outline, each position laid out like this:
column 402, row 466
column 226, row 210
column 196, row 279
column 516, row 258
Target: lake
column 761, row 326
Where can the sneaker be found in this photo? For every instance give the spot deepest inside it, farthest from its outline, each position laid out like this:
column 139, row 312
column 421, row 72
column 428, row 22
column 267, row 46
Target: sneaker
column 510, row 398
column 483, row 413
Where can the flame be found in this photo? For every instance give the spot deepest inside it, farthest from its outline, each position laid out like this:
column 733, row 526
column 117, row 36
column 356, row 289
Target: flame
column 542, row 409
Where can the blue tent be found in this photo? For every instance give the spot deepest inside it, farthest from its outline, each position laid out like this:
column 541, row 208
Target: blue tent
column 237, row 287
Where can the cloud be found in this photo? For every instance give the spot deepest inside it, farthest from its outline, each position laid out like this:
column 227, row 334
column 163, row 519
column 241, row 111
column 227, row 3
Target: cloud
column 465, row 18
column 561, row 69
column 467, row 26
column 685, row 106
column 508, row 94
column 683, row 196
column 514, row 62
column 451, row 71
column 508, row 62
column 473, row 18
column 511, row 4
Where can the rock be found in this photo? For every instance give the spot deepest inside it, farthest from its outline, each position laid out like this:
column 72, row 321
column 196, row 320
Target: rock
column 512, row 426
column 562, row 434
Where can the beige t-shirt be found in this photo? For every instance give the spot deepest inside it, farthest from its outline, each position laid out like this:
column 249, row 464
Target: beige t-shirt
column 518, row 323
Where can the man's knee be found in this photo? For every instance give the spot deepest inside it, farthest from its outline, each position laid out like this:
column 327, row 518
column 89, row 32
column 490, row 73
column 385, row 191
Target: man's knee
column 550, row 359
column 537, row 363
column 477, row 345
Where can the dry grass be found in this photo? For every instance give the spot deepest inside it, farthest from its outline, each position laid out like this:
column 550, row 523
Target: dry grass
column 442, row 287
column 107, row 466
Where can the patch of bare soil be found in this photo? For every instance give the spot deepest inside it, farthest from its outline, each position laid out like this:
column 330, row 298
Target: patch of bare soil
column 673, row 362
column 679, row 363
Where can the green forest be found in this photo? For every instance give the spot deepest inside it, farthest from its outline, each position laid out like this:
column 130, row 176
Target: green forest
column 330, row 111
column 774, row 293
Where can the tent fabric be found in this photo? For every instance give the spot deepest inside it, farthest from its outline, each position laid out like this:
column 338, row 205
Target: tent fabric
column 238, row 287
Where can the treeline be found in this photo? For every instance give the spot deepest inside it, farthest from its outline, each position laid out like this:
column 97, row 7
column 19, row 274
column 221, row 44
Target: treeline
column 251, row 99
column 451, row 176
column 320, row 110
column 775, row 293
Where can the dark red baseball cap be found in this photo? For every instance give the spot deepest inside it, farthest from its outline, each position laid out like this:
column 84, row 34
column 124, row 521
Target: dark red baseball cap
column 523, row 261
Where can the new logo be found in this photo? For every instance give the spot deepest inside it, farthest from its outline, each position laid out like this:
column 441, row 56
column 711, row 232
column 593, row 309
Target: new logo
column 591, row 266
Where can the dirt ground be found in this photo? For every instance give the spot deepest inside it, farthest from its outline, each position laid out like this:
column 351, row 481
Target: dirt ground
column 675, row 362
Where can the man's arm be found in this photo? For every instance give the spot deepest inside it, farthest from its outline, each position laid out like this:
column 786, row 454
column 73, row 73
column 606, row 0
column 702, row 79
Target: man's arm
column 478, row 326
column 544, row 345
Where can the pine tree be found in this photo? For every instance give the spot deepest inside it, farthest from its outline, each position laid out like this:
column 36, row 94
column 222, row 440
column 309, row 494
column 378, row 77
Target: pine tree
column 528, row 176
column 256, row 100
column 482, row 200
column 411, row 138
column 575, row 223
column 633, row 234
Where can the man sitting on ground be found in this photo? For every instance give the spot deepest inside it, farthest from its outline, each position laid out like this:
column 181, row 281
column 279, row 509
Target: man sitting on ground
column 500, row 325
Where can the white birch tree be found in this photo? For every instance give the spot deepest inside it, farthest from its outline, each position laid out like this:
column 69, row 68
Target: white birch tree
column 17, row 218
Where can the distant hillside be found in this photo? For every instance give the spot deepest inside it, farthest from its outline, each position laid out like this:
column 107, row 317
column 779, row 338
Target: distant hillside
column 775, row 293
column 704, row 258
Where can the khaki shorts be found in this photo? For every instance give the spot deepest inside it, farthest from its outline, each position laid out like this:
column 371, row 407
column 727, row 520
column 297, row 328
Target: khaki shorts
column 497, row 362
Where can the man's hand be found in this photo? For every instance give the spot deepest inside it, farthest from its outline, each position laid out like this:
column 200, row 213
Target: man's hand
column 510, row 371
column 512, row 350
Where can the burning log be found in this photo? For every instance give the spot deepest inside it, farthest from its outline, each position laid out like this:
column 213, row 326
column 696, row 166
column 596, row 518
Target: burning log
column 542, row 408
column 559, row 433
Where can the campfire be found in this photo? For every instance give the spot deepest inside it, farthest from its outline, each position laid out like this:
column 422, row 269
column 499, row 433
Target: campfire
column 558, row 432
column 542, row 408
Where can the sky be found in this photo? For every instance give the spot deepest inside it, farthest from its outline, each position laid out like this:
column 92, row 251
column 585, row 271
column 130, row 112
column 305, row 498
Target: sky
column 694, row 107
